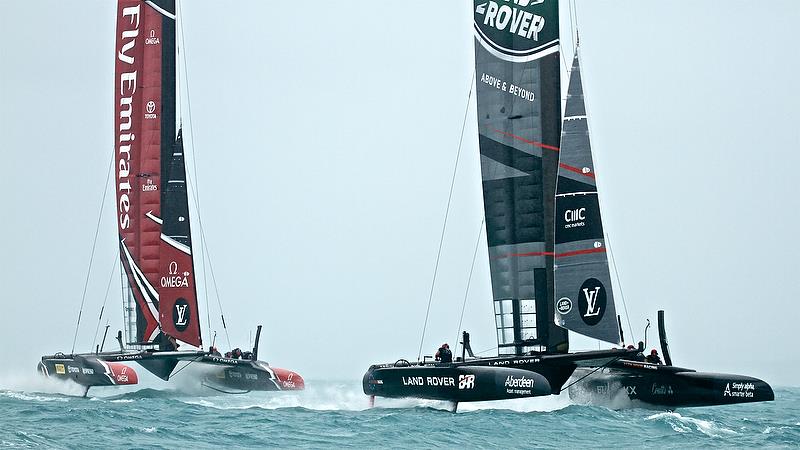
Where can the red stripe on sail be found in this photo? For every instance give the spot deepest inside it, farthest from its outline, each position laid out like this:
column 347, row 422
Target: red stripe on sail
column 559, row 255
column 581, row 252
column 527, row 141
column 576, row 170
column 512, row 255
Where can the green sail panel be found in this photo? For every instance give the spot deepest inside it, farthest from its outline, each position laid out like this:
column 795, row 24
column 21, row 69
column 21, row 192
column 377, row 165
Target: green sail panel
column 584, row 297
column 519, row 124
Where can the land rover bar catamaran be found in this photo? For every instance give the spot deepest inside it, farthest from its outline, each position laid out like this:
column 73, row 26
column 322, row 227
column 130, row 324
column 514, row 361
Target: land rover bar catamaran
column 547, row 248
column 519, row 123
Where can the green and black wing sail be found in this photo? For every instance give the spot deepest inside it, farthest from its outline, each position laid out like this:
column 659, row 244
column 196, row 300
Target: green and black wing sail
column 585, row 301
column 519, row 124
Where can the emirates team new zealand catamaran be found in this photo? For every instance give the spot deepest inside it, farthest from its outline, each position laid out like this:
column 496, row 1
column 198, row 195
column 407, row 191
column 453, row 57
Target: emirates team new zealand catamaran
column 547, row 250
column 155, row 242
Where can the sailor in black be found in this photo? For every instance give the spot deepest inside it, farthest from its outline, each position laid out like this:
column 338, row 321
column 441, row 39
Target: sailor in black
column 444, row 354
column 653, row 357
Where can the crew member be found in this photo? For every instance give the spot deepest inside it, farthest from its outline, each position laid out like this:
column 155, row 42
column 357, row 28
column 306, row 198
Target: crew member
column 171, row 344
column 236, row 353
column 653, row 357
column 444, row 354
column 213, row 351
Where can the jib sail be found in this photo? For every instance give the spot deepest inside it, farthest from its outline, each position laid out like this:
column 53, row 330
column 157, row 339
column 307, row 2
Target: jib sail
column 153, row 219
column 584, row 298
column 519, row 123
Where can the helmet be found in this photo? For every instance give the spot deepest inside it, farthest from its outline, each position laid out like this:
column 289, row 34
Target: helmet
column 653, row 352
column 631, row 347
column 445, row 345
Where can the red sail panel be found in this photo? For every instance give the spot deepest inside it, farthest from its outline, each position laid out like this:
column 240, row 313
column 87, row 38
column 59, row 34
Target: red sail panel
column 139, row 249
column 149, row 177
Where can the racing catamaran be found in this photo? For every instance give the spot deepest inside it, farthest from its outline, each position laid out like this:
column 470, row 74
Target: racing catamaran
column 155, row 239
column 518, row 86
column 547, row 247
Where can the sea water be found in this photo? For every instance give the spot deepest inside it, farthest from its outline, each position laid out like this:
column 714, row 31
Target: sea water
column 335, row 414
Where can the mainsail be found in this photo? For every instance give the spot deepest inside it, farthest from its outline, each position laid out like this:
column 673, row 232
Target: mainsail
column 153, row 216
column 519, row 123
column 585, row 301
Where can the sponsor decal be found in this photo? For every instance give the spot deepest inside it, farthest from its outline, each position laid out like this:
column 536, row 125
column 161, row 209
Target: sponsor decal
column 72, row 369
column 152, row 39
column 564, row 305
column 742, row 390
column 150, row 110
column 428, row 381
column 519, row 385
column 592, row 301
column 122, row 377
column 175, row 279
column 128, row 357
column 602, row 389
column 127, row 89
column 60, row 369
column 575, row 218
column 630, row 390
column 251, row 376
column 181, row 314
column 466, row 381
column 508, row 362
column 149, row 186
column 523, row 382
column 517, row 30
column 506, row 86
column 87, row 371
column 639, row 365
column 235, row 374
column 225, row 360
column 662, row 389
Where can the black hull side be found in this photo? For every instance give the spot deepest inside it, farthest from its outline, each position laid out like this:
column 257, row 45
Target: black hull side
column 86, row 370
column 486, row 379
column 668, row 386
column 248, row 375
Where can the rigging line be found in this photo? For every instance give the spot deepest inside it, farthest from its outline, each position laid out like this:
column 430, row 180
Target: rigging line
column 469, row 280
column 485, row 351
column 619, row 285
column 590, row 373
column 196, row 190
column 187, row 365
column 94, row 246
column 569, row 9
column 446, row 214
column 105, row 299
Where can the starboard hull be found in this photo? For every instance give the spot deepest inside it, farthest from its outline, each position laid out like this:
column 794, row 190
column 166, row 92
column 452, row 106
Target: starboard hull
column 666, row 386
column 248, row 375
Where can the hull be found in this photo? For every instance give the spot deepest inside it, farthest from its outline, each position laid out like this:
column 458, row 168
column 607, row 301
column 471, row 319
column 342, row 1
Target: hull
column 486, row 379
column 667, row 386
column 87, row 370
column 111, row 368
column 248, row 375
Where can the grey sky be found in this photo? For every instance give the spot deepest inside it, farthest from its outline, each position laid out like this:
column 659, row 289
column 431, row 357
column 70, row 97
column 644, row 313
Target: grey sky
column 324, row 135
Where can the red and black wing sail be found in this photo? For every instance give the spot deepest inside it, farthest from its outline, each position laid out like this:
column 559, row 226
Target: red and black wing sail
column 146, row 140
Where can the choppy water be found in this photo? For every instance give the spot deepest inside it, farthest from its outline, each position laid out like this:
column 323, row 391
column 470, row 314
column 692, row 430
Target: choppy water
column 336, row 414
